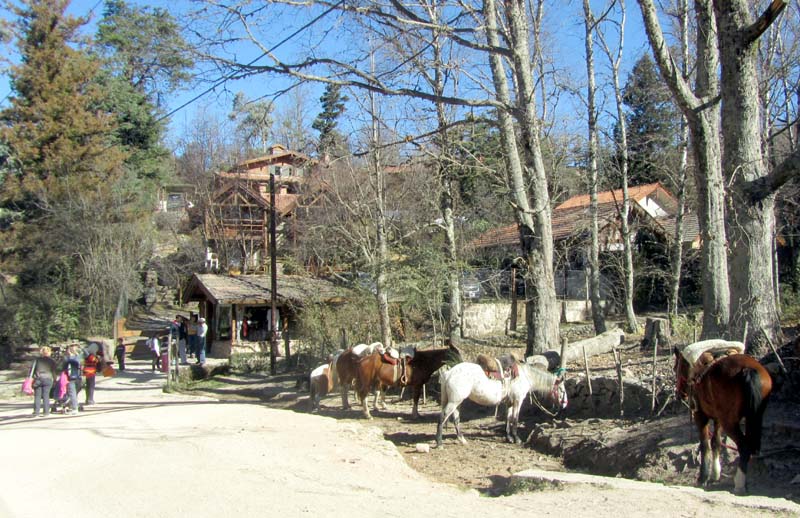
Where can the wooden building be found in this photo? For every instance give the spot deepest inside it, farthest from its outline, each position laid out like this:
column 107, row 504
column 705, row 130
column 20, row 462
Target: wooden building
column 237, row 214
column 653, row 211
column 237, row 308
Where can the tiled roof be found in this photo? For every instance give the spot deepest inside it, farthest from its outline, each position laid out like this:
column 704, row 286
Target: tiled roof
column 572, row 218
column 636, row 193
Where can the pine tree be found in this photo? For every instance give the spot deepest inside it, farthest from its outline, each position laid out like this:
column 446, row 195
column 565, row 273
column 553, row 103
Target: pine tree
column 55, row 129
column 331, row 141
column 652, row 122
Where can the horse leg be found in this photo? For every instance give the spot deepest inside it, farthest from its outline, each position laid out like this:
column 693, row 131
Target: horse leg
column 703, row 428
column 716, row 451
column 742, row 444
column 362, row 396
column 509, row 423
column 515, row 423
column 447, row 410
column 415, row 393
column 457, row 426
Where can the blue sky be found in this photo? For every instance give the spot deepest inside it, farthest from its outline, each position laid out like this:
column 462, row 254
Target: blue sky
column 563, row 21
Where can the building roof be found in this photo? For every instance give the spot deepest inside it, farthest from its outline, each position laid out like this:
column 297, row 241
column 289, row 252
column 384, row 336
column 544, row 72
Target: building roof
column 255, row 289
column 571, row 218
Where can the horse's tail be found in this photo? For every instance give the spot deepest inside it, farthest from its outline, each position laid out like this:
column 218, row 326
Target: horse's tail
column 755, row 406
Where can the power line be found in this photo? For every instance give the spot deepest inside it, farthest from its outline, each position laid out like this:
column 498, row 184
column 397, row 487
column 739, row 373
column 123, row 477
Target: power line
column 230, row 76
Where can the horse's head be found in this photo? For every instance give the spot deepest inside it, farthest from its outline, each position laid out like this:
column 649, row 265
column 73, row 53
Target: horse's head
column 681, row 368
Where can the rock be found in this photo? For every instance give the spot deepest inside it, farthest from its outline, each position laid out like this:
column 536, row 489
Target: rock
column 423, row 448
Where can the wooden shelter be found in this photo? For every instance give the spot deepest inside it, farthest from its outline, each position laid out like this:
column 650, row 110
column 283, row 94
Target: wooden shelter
column 237, row 308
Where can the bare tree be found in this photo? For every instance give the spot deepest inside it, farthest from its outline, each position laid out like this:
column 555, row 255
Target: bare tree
column 701, row 108
column 527, row 177
column 615, row 58
column 590, row 25
column 752, row 186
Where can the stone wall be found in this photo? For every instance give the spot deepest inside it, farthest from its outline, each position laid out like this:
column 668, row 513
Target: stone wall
column 604, row 401
column 490, row 318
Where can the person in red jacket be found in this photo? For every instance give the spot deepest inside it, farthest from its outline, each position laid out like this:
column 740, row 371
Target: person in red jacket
column 90, row 373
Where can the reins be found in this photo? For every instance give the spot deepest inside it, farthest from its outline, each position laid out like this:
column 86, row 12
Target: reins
column 553, row 393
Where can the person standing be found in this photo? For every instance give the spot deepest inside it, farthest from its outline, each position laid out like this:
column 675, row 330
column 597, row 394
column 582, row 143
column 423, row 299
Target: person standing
column 72, row 367
column 202, row 331
column 90, row 375
column 191, row 331
column 155, row 353
column 44, row 374
column 182, row 336
column 119, row 354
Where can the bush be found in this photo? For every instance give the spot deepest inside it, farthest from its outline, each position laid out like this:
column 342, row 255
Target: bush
column 790, row 305
column 247, row 363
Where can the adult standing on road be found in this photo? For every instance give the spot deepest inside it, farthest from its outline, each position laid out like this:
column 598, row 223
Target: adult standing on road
column 72, row 367
column 191, row 331
column 202, row 330
column 90, row 373
column 155, row 353
column 182, row 336
column 44, row 374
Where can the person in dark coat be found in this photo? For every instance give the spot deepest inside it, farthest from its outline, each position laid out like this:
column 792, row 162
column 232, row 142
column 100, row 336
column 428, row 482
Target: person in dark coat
column 44, row 375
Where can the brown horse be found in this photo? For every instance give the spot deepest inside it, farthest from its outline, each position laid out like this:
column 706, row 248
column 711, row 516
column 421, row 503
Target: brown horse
column 725, row 391
column 375, row 372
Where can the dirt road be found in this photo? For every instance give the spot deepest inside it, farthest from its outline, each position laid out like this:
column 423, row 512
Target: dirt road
column 141, row 452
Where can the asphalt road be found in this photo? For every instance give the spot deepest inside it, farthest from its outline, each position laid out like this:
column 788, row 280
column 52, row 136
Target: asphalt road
column 143, row 453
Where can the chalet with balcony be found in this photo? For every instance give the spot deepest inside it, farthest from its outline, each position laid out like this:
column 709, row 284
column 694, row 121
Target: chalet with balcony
column 237, row 214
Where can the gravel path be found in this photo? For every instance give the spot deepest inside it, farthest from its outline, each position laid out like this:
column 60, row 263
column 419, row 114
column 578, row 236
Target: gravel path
column 141, row 452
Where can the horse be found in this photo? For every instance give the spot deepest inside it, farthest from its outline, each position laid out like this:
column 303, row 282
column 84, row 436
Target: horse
column 468, row 380
column 322, row 380
column 375, row 372
column 724, row 391
column 346, row 367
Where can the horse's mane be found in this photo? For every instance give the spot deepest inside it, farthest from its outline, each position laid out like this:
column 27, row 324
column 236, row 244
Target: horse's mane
column 541, row 381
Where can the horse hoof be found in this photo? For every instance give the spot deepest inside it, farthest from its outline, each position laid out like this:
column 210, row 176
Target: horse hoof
column 462, row 440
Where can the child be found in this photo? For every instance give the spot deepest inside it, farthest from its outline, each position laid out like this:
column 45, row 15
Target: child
column 119, row 354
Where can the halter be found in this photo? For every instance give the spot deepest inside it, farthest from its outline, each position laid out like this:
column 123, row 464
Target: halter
column 553, row 394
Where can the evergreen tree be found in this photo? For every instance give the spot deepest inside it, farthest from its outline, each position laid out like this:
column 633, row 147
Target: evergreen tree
column 254, row 123
column 331, row 141
column 652, row 122
column 54, row 128
column 145, row 47
column 71, row 235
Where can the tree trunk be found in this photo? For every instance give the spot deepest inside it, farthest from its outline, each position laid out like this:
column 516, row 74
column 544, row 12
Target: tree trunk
column 598, row 318
column 536, row 232
column 752, row 225
column 676, row 252
column 600, row 344
column 380, row 230
column 701, row 110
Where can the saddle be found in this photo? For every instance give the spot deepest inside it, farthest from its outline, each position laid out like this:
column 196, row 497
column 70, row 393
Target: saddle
column 501, row 368
column 399, row 360
column 705, row 361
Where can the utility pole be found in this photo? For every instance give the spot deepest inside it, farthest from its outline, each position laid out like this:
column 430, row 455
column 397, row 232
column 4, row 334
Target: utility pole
column 273, row 335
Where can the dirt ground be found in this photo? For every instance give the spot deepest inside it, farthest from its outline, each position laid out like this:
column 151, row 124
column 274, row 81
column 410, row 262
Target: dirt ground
column 253, row 449
column 659, row 449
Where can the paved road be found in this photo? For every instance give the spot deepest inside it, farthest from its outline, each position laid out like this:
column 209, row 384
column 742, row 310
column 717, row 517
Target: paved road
column 143, row 453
